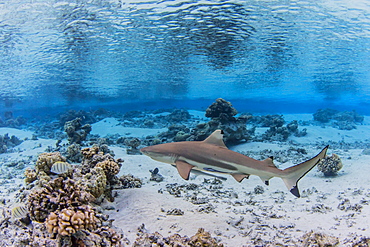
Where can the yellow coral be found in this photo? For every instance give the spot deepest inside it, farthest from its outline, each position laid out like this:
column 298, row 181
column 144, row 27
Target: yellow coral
column 57, row 194
column 110, row 167
column 70, row 220
column 88, row 153
column 94, row 182
column 30, row 174
column 46, row 160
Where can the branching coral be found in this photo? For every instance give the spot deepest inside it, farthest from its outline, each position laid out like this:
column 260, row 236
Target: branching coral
column 46, row 160
column 93, row 157
column 94, row 182
column 110, row 167
column 57, row 194
column 30, row 174
column 68, row 221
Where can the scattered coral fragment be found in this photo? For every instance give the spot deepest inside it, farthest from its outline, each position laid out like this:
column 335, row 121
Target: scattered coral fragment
column 330, row 165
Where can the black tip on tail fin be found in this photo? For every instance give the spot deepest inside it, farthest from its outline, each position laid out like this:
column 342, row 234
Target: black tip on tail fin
column 295, row 191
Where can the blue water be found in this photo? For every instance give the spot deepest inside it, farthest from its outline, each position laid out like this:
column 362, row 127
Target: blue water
column 263, row 56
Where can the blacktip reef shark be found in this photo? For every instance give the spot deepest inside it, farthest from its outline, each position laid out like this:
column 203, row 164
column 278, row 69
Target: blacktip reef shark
column 212, row 155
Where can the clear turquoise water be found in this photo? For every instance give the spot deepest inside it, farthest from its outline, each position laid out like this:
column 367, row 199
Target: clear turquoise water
column 264, row 56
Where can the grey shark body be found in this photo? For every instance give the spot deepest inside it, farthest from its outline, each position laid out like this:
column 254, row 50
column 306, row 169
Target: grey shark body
column 212, row 155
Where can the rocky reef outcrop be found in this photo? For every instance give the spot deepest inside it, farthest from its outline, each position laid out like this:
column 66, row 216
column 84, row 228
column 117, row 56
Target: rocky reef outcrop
column 76, row 132
column 7, row 142
column 222, row 115
column 10, row 121
column 343, row 120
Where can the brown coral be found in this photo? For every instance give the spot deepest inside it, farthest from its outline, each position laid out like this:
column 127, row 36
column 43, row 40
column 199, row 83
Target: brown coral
column 110, row 167
column 330, row 165
column 203, row 238
column 93, row 157
column 30, row 174
column 70, row 220
column 88, row 153
column 46, row 160
column 319, row 239
column 94, row 182
column 57, row 194
column 200, row 239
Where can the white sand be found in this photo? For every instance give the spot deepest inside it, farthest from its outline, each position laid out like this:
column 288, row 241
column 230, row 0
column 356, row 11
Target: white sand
column 275, row 214
column 111, row 126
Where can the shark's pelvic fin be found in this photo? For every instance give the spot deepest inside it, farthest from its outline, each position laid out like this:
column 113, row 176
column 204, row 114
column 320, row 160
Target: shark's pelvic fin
column 240, row 177
column 295, row 173
column 216, row 138
column 184, row 169
column 269, row 162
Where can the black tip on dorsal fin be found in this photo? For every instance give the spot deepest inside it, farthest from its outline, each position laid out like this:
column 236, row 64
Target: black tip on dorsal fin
column 222, row 132
column 271, row 157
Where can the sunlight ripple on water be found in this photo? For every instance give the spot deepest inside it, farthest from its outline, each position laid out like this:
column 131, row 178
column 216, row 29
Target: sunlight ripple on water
column 147, row 50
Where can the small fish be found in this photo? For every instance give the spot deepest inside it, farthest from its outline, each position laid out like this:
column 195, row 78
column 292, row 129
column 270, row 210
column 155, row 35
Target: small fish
column 20, row 212
column 60, row 167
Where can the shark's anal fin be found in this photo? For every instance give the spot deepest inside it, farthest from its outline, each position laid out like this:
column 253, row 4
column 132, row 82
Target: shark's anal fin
column 184, row 169
column 240, row 177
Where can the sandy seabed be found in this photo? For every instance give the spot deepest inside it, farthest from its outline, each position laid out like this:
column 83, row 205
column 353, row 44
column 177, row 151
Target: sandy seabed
column 238, row 214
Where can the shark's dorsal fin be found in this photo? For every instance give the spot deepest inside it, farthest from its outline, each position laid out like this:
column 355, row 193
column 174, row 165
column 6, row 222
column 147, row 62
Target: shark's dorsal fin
column 184, row 169
column 216, row 138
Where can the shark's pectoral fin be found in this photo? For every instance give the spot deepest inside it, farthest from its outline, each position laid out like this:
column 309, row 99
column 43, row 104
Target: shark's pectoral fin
column 240, row 177
column 265, row 179
column 184, row 169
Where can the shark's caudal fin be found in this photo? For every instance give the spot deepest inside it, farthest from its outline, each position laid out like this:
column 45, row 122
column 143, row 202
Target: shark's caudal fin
column 295, row 173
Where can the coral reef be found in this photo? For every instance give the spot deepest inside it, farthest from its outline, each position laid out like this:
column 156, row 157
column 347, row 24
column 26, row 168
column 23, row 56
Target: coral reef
column 201, row 238
column 221, row 110
column 345, row 120
column 93, row 182
column 68, row 221
column 76, row 132
column 281, row 133
column 30, row 174
column 319, row 239
column 7, row 142
column 45, row 161
column 57, row 194
column 324, row 115
column 177, row 116
column 74, row 153
column 65, row 206
column 330, row 165
column 132, row 145
column 109, row 166
column 222, row 117
column 95, row 155
column 10, row 121
column 267, row 120
column 129, row 181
